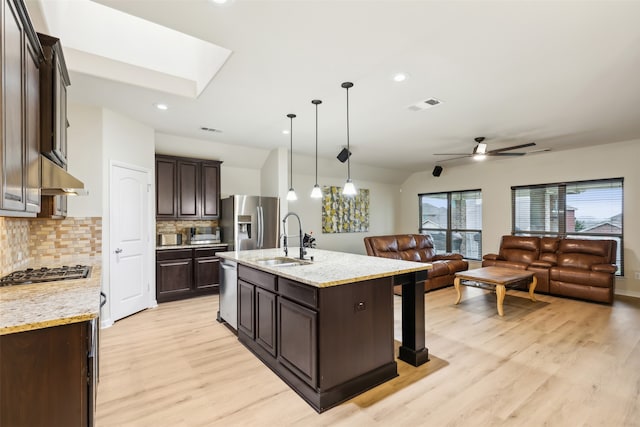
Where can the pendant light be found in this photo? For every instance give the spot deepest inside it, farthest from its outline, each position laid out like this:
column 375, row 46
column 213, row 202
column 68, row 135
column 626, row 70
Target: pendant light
column 349, row 189
column 291, row 195
column 316, row 193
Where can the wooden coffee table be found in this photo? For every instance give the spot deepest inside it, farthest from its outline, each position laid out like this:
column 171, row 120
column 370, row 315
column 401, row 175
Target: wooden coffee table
column 499, row 277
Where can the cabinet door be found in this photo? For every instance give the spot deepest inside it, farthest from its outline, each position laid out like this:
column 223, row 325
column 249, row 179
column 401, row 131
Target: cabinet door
column 32, row 129
column 166, row 188
column 44, row 373
column 12, row 139
column 207, row 273
column 173, row 279
column 266, row 320
column 188, row 190
column 246, row 307
column 297, row 340
column 210, row 201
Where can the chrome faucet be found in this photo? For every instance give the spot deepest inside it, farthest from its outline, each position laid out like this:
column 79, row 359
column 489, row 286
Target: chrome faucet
column 303, row 251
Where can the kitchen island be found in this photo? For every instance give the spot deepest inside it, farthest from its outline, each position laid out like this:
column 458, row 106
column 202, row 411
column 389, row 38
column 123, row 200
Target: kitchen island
column 325, row 326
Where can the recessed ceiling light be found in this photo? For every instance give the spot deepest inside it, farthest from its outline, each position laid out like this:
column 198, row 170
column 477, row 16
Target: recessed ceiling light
column 221, row 1
column 400, row 77
column 162, row 107
column 286, row 131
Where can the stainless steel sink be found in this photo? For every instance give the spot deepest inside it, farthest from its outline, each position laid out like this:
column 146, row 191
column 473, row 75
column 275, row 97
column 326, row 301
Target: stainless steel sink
column 282, row 262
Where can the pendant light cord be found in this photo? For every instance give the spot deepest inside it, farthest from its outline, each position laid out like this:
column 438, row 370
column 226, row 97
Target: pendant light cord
column 317, row 143
column 291, row 155
column 348, row 150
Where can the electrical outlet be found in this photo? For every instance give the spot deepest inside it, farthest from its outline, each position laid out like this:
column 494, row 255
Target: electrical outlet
column 637, row 275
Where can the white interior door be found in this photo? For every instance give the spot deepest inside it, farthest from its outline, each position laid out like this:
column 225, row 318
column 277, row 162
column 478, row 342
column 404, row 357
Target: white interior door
column 129, row 241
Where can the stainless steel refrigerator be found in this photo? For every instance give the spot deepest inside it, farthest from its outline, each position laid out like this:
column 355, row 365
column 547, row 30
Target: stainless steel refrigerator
column 247, row 222
column 250, row 222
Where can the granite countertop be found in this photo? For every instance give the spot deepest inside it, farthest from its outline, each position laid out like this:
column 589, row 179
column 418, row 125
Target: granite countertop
column 195, row 245
column 328, row 268
column 45, row 304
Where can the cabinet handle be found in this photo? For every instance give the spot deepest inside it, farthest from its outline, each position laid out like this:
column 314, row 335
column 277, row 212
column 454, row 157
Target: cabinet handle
column 13, row 197
column 118, row 251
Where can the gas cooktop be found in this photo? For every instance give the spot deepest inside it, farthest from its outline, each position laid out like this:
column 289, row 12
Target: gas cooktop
column 44, row 274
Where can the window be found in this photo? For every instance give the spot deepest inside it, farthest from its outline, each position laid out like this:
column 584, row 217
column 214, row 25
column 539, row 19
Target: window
column 584, row 209
column 454, row 220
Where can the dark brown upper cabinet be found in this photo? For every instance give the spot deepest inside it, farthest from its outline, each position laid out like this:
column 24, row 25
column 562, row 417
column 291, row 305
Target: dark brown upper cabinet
column 187, row 188
column 20, row 68
column 54, row 79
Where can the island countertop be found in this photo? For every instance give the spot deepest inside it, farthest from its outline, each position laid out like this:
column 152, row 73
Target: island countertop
column 328, row 268
column 41, row 305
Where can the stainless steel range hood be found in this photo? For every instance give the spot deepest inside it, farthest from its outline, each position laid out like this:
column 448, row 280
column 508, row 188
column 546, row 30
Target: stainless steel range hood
column 58, row 182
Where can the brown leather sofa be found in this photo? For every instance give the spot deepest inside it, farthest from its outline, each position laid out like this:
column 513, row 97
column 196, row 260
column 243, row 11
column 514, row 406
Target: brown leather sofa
column 577, row 268
column 417, row 247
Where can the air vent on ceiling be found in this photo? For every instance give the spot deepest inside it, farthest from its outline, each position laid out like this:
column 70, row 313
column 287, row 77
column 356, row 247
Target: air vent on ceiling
column 424, row 104
column 206, row 129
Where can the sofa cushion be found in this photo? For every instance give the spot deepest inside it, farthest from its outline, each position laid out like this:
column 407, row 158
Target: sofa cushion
column 581, row 276
column 521, row 249
column 548, row 249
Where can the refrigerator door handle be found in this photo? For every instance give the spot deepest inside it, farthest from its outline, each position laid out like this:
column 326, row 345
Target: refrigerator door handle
column 260, row 227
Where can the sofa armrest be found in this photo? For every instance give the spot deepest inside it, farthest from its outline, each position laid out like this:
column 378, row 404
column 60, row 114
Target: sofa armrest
column 492, row 257
column 542, row 264
column 606, row 268
column 444, row 257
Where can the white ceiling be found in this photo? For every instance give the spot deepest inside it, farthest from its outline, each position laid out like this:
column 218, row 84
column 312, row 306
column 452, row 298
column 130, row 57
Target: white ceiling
column 564, row 74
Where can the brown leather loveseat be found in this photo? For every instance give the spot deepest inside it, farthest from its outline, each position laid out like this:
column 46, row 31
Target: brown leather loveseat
column 418, row 247
column 577, row 268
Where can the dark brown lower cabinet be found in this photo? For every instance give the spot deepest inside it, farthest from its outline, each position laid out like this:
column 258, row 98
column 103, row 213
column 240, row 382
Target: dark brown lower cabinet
column 246, row 308
column 328, row 344
column 47, row 376
column 297, row 338
column 266, row 320
column 185, row 273
column 174, row 274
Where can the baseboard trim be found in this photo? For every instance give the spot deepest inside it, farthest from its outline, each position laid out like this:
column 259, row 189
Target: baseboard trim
column 634, row 294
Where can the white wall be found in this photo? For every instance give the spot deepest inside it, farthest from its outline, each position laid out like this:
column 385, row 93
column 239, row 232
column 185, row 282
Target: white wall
column 84, row 153
column 238, row 181
column 496, row 176
column 384, row 200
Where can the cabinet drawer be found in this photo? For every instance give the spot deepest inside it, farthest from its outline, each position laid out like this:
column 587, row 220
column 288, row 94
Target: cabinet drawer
column 173, row 254
column 299, row 292
column 205, row 252
column 260, row 278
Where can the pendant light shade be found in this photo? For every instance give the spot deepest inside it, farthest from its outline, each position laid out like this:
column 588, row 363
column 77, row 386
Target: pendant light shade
column 349, row 189
column 316, row 193
column 291, row 195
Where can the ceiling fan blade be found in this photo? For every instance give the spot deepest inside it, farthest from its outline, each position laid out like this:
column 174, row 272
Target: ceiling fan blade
column 466, row 156
column 514, row 147
column 451, row 154
column 506, row 154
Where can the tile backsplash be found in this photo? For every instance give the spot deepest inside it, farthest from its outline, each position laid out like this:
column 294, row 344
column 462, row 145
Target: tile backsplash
column 47, row 241
column 14, row 244
column 171, row 227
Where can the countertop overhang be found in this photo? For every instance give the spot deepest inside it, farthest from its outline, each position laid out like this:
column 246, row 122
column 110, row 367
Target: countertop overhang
column 328, row 268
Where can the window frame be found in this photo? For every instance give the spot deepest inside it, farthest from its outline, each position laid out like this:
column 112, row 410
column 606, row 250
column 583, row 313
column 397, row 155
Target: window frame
column 449, row 230
column 562, row 223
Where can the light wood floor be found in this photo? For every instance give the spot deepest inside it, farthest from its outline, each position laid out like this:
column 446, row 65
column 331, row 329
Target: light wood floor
column 557, row 362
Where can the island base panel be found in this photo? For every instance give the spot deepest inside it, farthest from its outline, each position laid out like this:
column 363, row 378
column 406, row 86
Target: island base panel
column 322, row 400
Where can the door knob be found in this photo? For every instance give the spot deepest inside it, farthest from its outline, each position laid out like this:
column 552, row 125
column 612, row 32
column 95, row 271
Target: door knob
column 118, row 250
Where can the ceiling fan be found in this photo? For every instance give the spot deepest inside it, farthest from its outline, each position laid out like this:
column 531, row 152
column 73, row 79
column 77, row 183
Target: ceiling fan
column 480, row 151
